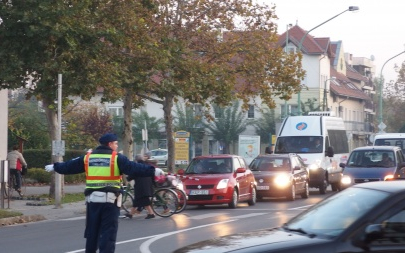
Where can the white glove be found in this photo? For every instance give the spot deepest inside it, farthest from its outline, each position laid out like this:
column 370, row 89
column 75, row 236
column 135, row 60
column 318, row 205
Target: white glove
column 49, row 168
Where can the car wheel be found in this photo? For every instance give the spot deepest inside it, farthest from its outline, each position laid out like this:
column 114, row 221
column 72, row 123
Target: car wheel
column 305, row 194
column 323, row 186
column 252, row 201
column 234, row 201
column 291, row 194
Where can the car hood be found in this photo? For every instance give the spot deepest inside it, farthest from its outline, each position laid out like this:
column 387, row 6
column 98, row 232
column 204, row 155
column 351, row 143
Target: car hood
column 368, row 172
column 271, row 239
column 195, row 178
column 267, row 174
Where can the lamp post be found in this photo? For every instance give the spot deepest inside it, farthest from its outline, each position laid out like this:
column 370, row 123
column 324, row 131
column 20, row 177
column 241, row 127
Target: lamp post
column 351, row 8
column 380, row 117
column 286, row 50
column 325, row 101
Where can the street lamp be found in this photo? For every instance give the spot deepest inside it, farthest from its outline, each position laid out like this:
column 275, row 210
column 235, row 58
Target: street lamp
column 325, row 101
column 351, row 8
column 380, row 117
column 286, row 51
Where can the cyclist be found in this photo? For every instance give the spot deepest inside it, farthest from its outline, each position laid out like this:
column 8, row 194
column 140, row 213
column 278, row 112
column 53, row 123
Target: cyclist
column 16, row 161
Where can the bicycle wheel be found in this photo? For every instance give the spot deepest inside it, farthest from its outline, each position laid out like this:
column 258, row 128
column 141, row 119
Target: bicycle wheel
column 164, row 202
column 127, row 201
column 182, row 200
column 23, row 186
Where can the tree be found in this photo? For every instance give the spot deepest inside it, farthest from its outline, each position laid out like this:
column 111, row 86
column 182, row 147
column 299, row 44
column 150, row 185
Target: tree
column 311, row 105
column 266, row 125
column 229, row 123
column 216, row 52
column 187, row 119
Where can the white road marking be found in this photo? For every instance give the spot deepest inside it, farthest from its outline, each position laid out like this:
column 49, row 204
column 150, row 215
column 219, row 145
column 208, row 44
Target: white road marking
column 247, row 215
column 207, row 215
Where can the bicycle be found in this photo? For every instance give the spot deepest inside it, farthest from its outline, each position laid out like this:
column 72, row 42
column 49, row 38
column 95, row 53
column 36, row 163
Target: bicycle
column 181, row 194
column 164, row 202
column 11, row 185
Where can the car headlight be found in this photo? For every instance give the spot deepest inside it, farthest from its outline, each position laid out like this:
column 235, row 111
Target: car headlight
column 346, row 180
column 179, row 185
column 388, row 177
column 223, row 184
column 313, row 166
column 281, row 180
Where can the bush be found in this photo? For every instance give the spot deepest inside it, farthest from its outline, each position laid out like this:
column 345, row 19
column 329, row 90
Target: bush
column 36, row 175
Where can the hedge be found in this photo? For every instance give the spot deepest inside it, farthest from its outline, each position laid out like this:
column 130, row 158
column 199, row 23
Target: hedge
column 39, row 175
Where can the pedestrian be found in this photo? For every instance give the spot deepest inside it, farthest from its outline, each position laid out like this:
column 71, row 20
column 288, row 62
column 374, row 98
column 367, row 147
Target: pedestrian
column 104, row 168
column 143, row 191
column 16, row 161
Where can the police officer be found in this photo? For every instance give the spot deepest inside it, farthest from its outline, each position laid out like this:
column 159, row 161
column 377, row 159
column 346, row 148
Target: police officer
column 103, row 167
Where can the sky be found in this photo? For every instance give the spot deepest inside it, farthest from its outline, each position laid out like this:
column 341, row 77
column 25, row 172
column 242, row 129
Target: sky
column 377, row 28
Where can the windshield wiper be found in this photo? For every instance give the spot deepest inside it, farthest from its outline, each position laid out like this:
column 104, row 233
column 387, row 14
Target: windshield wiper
column 299, row 230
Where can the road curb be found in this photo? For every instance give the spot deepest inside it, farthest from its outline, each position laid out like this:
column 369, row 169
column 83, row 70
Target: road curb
column 21, row 219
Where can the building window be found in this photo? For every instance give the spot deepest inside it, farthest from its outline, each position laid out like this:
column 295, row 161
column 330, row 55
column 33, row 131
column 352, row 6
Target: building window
column 251, row 112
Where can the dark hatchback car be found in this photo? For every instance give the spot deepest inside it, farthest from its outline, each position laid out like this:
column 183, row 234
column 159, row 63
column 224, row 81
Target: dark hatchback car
column 371, row 163
column 367, row 217
column 280, row 175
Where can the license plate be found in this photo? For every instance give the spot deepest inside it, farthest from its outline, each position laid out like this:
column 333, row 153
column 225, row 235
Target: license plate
column 199, row 192
column 263, row 187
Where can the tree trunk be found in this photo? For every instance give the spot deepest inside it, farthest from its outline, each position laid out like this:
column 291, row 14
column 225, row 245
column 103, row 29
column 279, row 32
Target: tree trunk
column 127, row 138
column 167, row 115
column 53, row 127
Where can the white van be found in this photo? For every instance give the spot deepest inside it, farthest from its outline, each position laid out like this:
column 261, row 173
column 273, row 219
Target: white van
column 390, row 139
column 300, row 135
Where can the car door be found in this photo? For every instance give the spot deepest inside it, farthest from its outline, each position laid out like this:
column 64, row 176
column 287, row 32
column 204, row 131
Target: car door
column 241, row 178
column 299, row 175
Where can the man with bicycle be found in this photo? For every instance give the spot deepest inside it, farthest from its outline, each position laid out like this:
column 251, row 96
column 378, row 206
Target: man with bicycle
column 16, row 161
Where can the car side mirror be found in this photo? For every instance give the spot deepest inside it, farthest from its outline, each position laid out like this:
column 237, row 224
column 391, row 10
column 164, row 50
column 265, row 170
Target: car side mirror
column 342, row 165
column 268, row 150
column 240, row 170
column 373, row 232
column 180, row 172
column 330, row 152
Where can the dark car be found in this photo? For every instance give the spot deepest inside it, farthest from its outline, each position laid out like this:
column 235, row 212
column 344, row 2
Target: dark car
column 371, row 163
column 367, row 217
column 280, row 175
column 219, row 179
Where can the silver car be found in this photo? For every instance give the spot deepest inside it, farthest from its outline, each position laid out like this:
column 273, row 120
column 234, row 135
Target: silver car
column 160, row 155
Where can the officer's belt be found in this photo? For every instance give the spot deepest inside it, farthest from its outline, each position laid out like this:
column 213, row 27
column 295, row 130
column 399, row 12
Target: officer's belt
column 101, row 197
column 102, row 184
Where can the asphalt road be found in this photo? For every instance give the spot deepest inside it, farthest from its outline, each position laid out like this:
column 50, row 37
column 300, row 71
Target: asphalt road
column 159, row 234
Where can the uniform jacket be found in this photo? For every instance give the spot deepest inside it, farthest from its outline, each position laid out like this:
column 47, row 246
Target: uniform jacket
column 132, row 169
column 12, row 158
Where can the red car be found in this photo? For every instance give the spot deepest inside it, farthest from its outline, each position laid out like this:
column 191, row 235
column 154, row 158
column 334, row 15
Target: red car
column 219, row 179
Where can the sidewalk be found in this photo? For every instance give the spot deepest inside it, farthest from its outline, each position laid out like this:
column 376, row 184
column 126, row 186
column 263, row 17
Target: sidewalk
column 35, row 210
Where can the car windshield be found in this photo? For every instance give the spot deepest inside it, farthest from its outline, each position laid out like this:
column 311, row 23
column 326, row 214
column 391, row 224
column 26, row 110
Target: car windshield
column 210, row 166
column 400, row 142
column 299, row 144
column 158, row 152
column 333, row 215
column 270, row 164
column 371, row 158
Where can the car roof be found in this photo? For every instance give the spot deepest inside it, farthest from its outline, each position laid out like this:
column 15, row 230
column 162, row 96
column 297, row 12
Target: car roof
column 394, row 186
column 216, row 156
column 277, row 155
column 388, row 148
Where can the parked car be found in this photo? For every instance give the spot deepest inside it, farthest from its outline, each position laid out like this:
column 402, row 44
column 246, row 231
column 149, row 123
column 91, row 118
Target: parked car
column 219, row 179
column 280, row 175
column 367, row 217
column 160, row 155
column 371, row 163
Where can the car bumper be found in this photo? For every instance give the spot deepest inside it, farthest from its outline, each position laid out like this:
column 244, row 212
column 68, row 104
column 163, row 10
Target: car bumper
column 213, row 197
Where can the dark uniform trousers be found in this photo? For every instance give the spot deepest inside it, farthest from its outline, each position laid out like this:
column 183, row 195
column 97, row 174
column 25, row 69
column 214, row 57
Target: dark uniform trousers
column 103, row 218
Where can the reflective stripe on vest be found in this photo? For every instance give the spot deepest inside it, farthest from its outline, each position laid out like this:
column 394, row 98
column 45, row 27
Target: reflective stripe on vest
column 102, row 170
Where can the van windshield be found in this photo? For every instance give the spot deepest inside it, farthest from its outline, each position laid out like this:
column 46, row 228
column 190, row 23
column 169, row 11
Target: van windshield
column 400, row 142
column 300, row 144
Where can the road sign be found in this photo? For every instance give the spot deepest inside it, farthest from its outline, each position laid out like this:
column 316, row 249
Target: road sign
column 181, row 147
column 58, row 148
